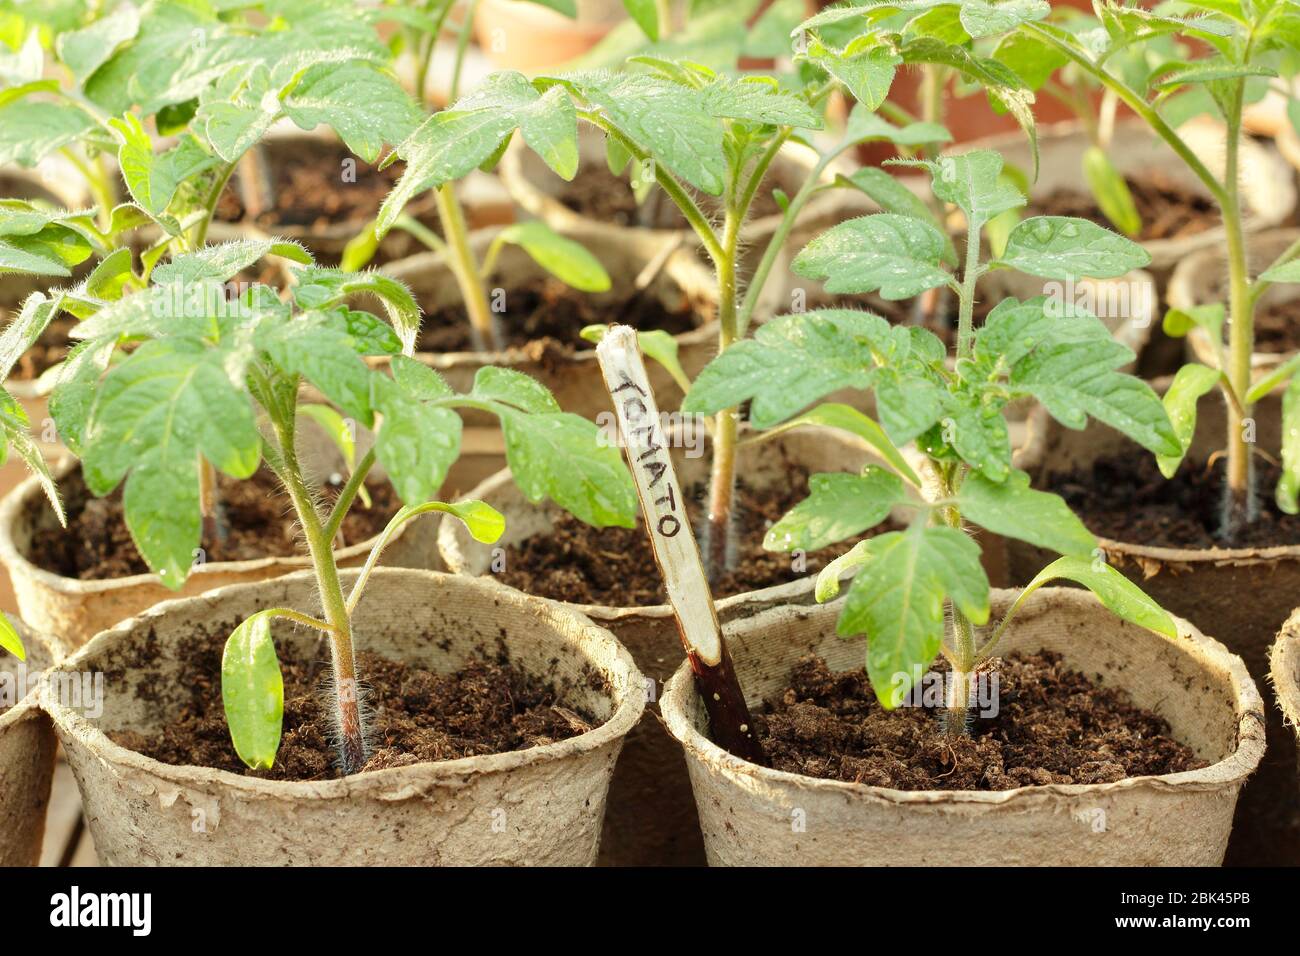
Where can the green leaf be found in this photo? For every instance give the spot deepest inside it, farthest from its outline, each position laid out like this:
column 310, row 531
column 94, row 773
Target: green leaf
column 645, row 14
column 416, row 443
column 108, row 280
column 864, row 126
column 978, row 434
column 1273, row 379
column 1178, row 322
column 984, row 19
column 31, row 130
column 1061, row 247
column 973, row 182
column 1111, row 191
column 561, row 456
column 849, row 419
column 252, row 692
column 513, row 388
column 484, row 523
column 365, row 106
column 16, row 436
column 894, row 254
column 153, row 179
column 1013, row 509
column 789, row 364
column 167, row 402
column 1121, row 596
column 897, row 600
column 322, row 288
column 447, row 146
column 568, row 261
column 317, row 346
column 1289, row 484
column 1287, row 272
column 86, row 50
column 225, row 261
column 1031, row 59
column 756, row 101
column 10, row 639
column 1191, row 382
column 838, row 506
column 74, row 392
column 418, row 380
column 22, row 332
column 868, row 74
column 1076, row 379
column 892, row 196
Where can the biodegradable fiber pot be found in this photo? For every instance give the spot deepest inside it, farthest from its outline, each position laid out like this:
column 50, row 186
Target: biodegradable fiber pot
column 1268, row 185
column 550, row 798
column 651, row 818
column 647, row 264
column 1240, row 595
column 1202, row 279
column 27, row 747
column 1284, row 674
column 76, row 609
column 752, row 815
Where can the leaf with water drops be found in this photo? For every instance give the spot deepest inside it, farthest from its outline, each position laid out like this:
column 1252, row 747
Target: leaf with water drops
column 1063, row 247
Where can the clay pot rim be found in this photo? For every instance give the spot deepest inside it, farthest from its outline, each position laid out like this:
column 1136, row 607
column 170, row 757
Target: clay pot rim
column 29, row 492
column 1180, row 294
column 390, row 783
column 58, row 651
column 522, row 189
column 1236, row 766
column 1284, row 670
column 678, row 265
column 1031, row 454
column 1164, row 252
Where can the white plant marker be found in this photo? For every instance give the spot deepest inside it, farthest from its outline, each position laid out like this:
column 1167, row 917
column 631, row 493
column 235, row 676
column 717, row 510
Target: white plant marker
column 673, row 541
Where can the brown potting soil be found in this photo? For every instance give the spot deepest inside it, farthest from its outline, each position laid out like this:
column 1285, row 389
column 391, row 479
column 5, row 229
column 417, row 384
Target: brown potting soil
column 256, row 516
column 599, row 195
column 544, row 315
column 1053, row 726
column 415, row 715
column 309, row 190
column 1277, row 327
column 615, row 566
column 1125, row 498
column 1168, row 210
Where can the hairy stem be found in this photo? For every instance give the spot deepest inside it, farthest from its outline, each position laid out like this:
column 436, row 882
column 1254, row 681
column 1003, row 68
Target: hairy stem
column 722, row 480
column 200, row 236
column 966, row 306
column 1239, row 503
column 351, row 736
column 465, row 268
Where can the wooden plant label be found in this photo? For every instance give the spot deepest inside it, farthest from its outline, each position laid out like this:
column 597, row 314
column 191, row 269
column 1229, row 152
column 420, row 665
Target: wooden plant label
column 673, row 542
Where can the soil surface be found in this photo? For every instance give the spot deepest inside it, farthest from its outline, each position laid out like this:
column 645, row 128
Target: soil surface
column 1168, row 210
column 1277, row 328
column 415, row 716
column 256, row 514
column 598, row 194
column 1053, row 726
column 545, row 316
column 1125, row 498
column 616, row 566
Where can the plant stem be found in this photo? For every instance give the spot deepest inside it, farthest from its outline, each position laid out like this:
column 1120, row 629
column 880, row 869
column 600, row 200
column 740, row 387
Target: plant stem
column 210, row 206
column 462, row 44
column 351, row 736
column 966, row 306
column 722, row 480
column 349, row 493
column 1239, row 503
column 465, row 268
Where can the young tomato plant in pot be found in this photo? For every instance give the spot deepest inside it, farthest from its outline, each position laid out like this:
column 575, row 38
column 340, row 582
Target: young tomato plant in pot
column 563, row 258
column 1044, row 349
column 1241, row 41
column 178, row 376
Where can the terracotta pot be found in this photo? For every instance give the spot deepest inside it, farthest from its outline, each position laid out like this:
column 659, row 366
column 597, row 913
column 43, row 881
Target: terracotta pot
column 27, row 747
column 75, row 610
column 542, row 805
column 679, row 282
column 1202, row 279
column 1284, row 674
column 532, row 38
column 754, row 816
column 651, row 819
column 1241, row 595
column 1268, row 188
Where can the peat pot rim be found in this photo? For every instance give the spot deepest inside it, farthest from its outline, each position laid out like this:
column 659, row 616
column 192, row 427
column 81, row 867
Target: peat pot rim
column 1284, row 670
column 1032, row 454
column 690, row 274
column 1234, row 768
column 29, row 493
column 389, row 783
column 56, row 650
